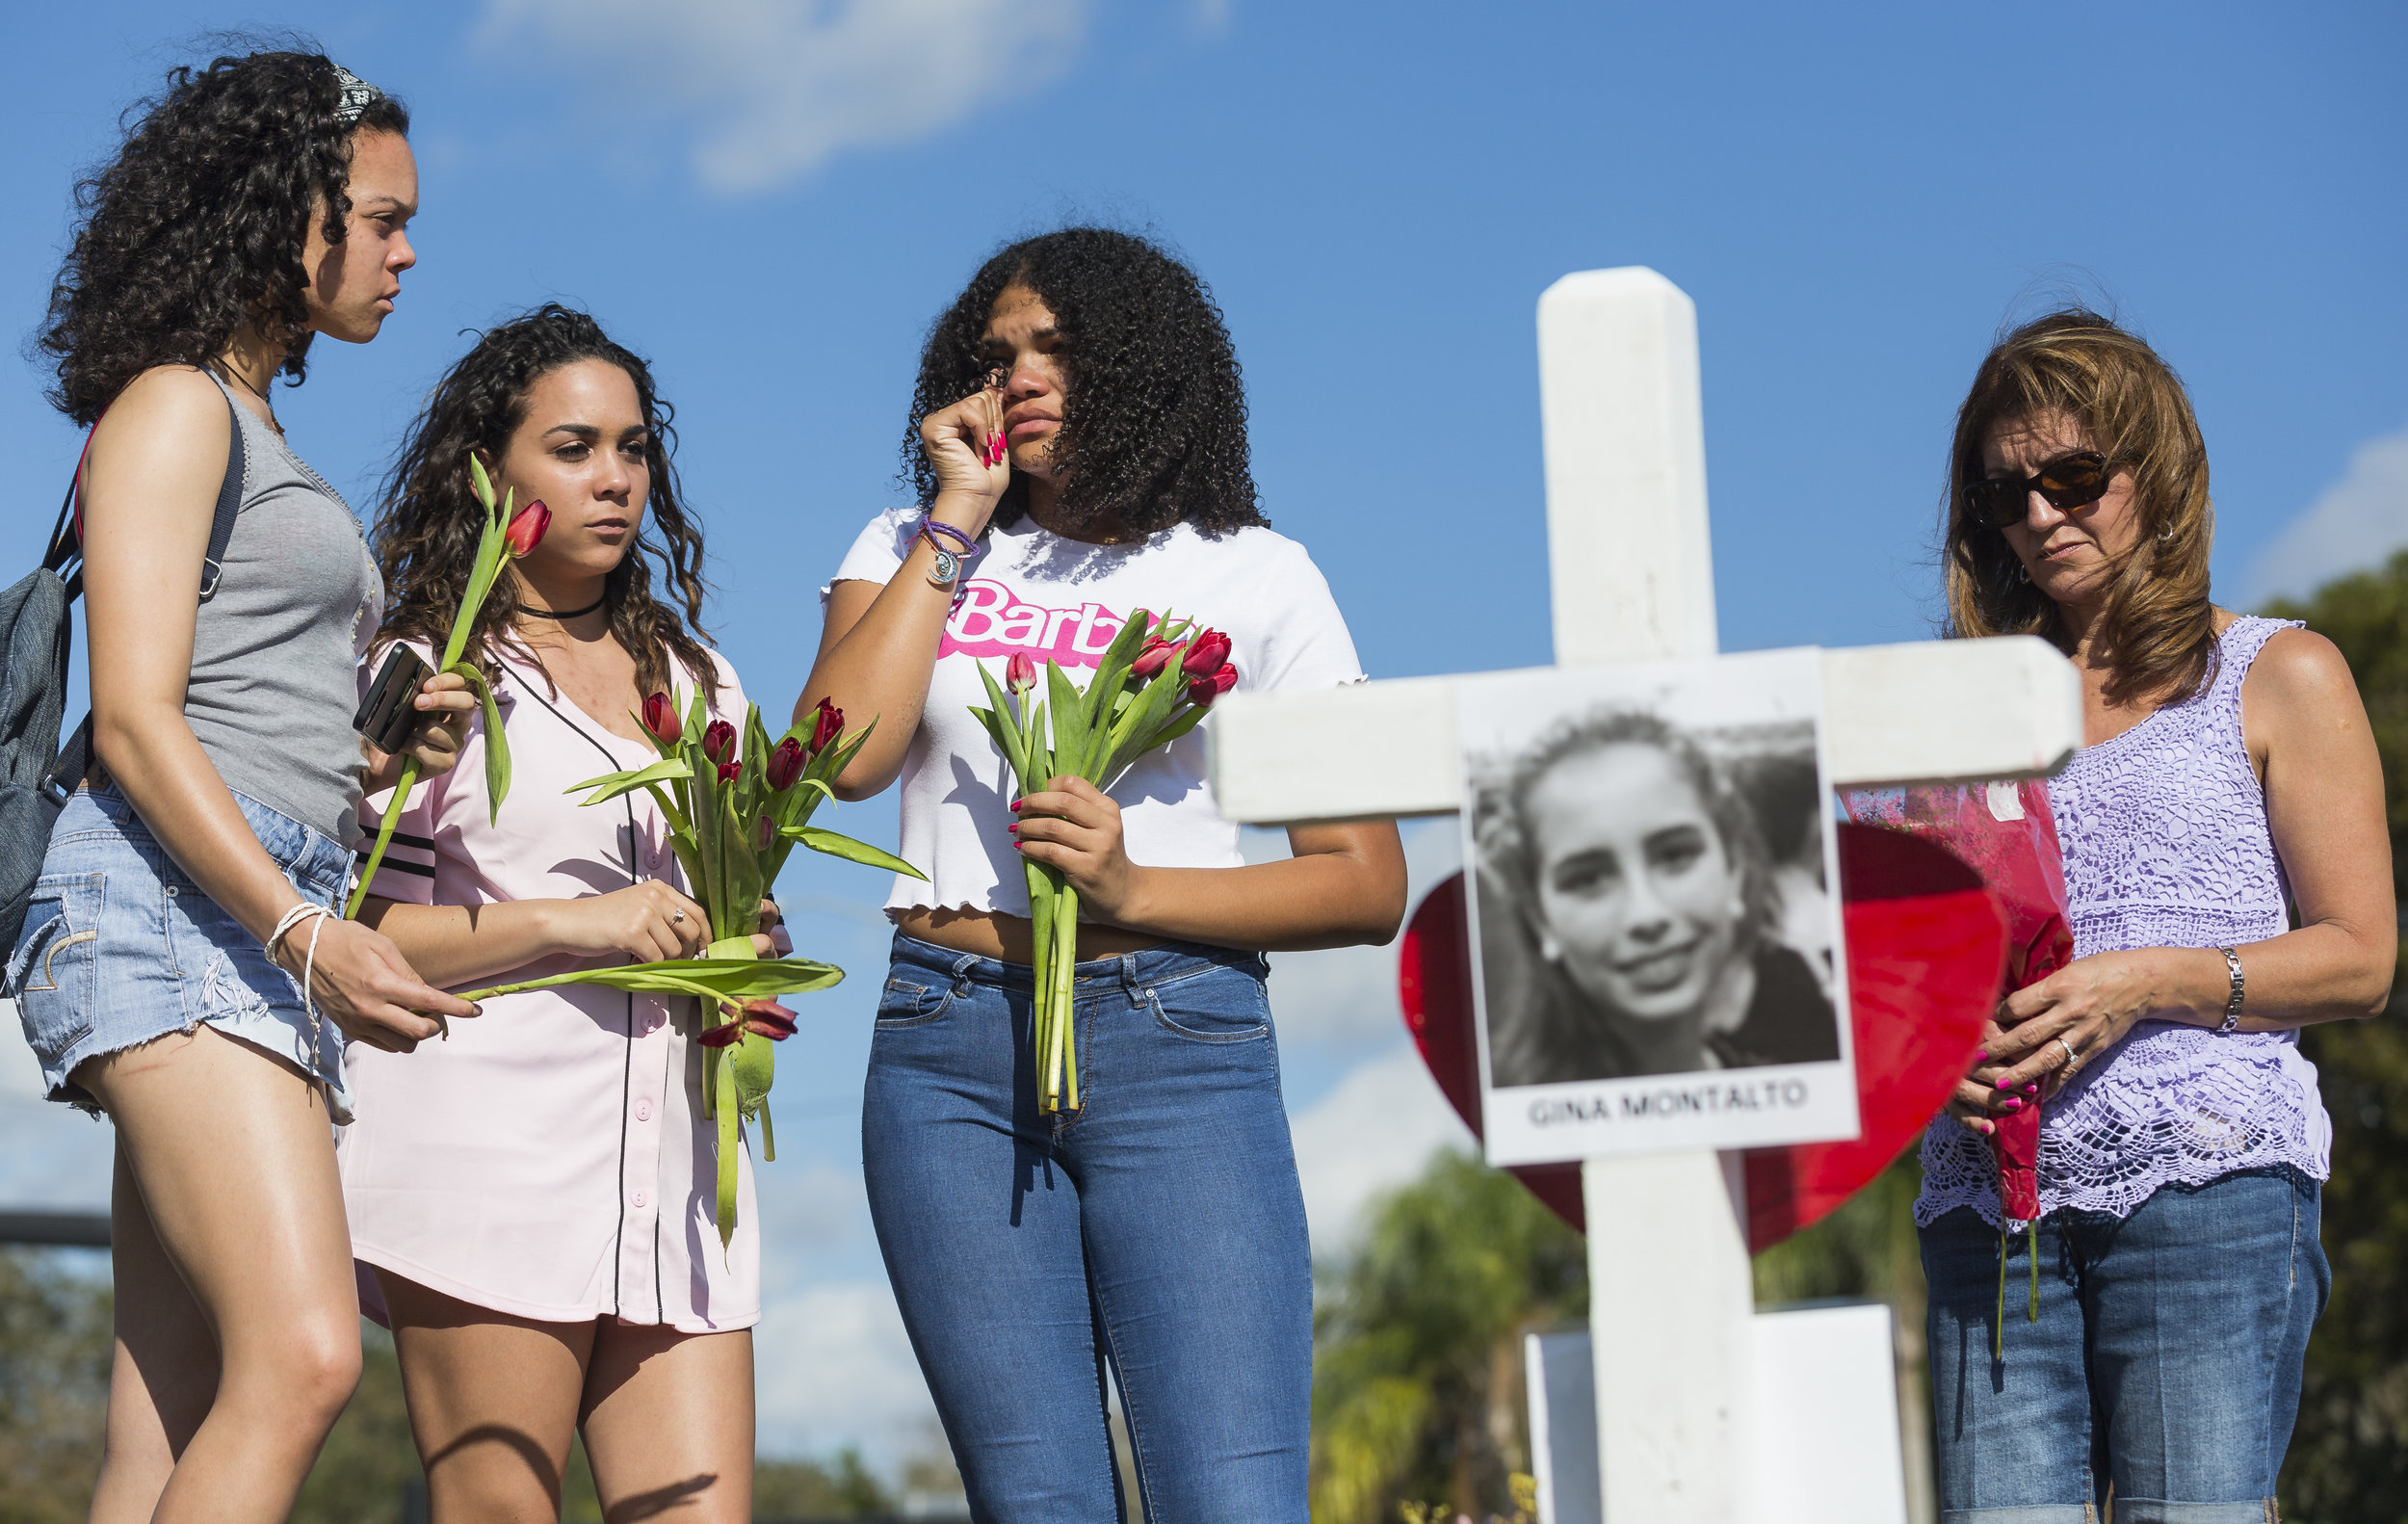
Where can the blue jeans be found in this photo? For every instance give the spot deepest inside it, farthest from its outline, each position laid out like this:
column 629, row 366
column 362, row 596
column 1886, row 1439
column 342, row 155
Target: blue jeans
column 1159, row 1230
column 2166, row 1359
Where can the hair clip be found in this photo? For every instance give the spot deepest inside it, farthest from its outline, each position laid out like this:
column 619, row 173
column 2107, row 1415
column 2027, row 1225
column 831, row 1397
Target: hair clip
column 357, row 95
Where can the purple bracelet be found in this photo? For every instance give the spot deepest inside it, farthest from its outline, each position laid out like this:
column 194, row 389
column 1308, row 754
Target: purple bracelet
column 968, row 544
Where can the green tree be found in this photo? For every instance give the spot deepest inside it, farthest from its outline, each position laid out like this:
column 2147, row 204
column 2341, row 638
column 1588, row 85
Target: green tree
column 2348, row 1461
column 54, row 1384
column 1417, row 1378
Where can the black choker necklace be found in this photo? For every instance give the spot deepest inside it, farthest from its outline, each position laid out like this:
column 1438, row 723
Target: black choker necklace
column 572, row 614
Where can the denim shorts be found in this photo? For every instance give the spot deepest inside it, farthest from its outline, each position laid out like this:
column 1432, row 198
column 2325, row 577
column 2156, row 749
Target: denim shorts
column 119, row 946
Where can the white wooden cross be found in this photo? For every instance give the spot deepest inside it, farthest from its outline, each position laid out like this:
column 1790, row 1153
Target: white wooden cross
column 1673, row 1335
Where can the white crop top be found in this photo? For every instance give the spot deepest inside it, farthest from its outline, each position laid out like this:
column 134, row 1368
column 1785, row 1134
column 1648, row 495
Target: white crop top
column 1063, row 599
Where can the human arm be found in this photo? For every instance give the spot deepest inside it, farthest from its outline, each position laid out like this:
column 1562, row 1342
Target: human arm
column 2307, row 730
column 458, row 944
column 1343, row 885
column 878, row 646
column 150, row 485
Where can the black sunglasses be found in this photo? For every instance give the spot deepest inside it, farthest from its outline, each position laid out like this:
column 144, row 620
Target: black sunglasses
column 2070, row 480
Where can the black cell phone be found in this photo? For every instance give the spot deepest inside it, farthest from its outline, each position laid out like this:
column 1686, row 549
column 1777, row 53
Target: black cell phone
column 386, row 716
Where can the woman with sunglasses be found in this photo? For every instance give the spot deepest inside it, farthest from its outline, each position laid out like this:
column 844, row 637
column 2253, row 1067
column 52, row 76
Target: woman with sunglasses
column 1079, row 422
column 2227, row 759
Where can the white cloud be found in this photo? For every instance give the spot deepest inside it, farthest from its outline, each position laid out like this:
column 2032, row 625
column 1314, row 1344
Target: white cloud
column 775, row 87
column 833, row 1367
column 2358, row 521
column 1373, row 1131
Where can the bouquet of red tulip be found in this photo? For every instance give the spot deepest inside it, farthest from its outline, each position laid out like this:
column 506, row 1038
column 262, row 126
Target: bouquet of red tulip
column 1155, row 682
column 2004, row 832
column 507, row 536
column 734, row 814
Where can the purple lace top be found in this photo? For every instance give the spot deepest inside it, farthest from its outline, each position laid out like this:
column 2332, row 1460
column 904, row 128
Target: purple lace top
column 2166, row 845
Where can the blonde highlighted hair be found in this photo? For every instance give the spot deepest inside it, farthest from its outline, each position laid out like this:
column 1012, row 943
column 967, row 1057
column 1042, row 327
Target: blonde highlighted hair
column 2155, row 635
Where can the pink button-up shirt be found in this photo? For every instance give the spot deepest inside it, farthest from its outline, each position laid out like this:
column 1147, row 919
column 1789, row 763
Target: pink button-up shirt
column 550, row 1159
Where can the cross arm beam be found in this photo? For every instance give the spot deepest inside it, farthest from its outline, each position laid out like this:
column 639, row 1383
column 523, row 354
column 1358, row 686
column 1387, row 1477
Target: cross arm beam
column 1933, row 711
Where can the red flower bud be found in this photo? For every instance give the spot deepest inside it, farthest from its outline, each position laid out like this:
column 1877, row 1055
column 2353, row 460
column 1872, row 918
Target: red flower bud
column 718, row 741
column 1153, row 659
column 786, row 764
column 729, row 771
column 763, row 1017
column 762, row 831
column 1204, row 690
column 826, row 728
column 1206, row 656
column 660, row 716
column 1020, row 673
column 526, row 531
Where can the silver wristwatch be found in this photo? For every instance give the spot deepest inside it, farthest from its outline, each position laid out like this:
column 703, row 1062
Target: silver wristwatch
column 2232, row 1007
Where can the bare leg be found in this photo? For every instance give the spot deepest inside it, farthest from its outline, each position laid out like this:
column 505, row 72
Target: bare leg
column 233, row 1158
column 164, row 1371
column 492, row 1402
column 669, row 1424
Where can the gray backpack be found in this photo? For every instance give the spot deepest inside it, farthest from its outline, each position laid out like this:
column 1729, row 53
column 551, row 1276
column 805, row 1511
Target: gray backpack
column 37, row 775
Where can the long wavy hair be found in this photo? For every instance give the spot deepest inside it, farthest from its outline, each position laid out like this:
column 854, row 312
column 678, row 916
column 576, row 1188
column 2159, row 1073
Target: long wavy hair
column 2156, row 632
column 198, row 225
column 428, row 522
column 1153, row 427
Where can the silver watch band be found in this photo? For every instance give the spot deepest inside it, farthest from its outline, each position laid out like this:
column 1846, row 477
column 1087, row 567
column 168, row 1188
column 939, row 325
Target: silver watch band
column 2240, row 984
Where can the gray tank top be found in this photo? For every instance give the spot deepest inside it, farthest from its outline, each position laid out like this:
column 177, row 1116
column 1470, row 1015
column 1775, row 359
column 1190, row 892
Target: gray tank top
column 276, row 650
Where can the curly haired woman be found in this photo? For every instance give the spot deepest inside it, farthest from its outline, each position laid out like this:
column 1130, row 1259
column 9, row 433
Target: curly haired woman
column 1079, row 415
column 176, row 965
column 532, row 1202
column 2228, row 764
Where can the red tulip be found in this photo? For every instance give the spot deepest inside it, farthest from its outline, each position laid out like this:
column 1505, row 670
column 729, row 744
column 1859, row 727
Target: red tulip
column 660, row 716
column 718, row 741
column 729, row 771
column 1153, row 659
column 1204, row 690
column 764, row 830
column 526, row 531
column 1207, row 655
column 826, row 728
column 786, row 764
column 1020, row 673
column 763, row 1017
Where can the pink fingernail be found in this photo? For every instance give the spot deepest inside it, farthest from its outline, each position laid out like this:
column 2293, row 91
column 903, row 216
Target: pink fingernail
column 2014, row 1105
column 1984, row 1057
column 2003, row 1085
column 1016, row 803
column 1989, row 1127
column 2032, row 1089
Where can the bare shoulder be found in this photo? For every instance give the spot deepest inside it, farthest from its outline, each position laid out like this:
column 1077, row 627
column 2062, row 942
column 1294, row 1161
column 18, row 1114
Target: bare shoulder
column 175, row 407
column 2299, row 679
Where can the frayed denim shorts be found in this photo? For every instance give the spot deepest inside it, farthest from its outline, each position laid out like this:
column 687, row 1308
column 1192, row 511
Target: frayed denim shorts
column 120, row 947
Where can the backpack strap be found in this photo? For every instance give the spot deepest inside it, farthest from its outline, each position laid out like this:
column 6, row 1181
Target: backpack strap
column 67, row 548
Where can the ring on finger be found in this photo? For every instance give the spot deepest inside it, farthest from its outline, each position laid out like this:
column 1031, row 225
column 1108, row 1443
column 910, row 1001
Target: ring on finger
column 2073, row 1060
column 676, row 917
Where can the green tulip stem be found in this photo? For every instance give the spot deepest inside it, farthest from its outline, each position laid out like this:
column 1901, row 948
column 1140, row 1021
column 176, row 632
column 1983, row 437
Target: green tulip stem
column 384, row 837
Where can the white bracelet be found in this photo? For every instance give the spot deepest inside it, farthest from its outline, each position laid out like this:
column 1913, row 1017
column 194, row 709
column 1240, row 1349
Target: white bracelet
column 293, row 918
column 309, row 962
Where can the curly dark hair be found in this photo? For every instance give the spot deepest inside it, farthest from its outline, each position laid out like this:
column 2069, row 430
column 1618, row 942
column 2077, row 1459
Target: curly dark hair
column 198, row 225
column 429, row 523
column 1153, row 428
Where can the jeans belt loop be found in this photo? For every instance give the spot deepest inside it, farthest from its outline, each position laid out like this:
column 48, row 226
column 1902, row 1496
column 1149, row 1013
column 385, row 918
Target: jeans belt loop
column 961, row 972
column 1129, row 981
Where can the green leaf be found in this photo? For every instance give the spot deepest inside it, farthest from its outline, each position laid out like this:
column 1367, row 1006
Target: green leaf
column 497, row 746
column 1070, row 726
column 610, row 785
column 852, row 851
column 729, row 1117
column 1012, row 738
column 483, row 482
column 728, row 981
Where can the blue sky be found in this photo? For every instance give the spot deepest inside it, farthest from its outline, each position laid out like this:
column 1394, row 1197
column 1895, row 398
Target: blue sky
column 772, row 201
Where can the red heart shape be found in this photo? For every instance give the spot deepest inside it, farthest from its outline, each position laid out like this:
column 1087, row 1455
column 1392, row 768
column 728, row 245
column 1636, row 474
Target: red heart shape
column 1926, row 946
